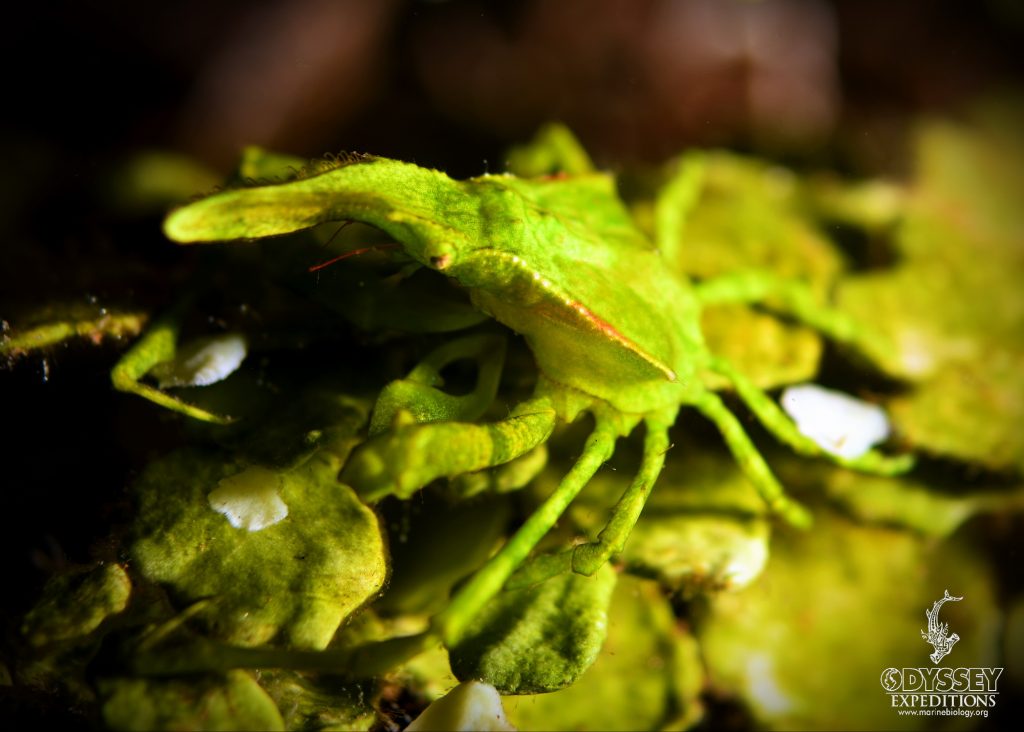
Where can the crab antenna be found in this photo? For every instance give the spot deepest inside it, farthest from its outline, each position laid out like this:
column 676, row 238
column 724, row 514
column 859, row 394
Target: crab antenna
column 353, row 253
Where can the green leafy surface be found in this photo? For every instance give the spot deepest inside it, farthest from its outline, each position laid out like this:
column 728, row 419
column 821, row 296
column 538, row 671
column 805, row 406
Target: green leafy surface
column 510, row 476
column 703, row 528
column 931, row 508
column 746, row 214
column 647, row 676
column 751, row 213
column 292, row 581
column 79, row 610
column 230, row 702
column 769, row 351
column 804, row 647
column 75, row 603
column 307, row 703
column 435, row 543
column 953, row 303
column 539, row 638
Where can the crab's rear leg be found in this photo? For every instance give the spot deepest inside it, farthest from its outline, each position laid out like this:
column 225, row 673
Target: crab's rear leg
column 795, row 299
column 750, row 460
column 588, row 558
column 773, row 418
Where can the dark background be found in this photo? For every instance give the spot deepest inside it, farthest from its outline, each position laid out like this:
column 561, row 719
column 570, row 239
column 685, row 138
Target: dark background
column 452, row 84
column 448, row 84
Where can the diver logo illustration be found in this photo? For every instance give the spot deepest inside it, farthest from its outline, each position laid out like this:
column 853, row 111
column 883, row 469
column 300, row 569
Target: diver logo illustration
column 939, row 691
column 938, row 633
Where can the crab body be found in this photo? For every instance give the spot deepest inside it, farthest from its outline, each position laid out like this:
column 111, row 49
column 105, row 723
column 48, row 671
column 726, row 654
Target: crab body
column 621, row 328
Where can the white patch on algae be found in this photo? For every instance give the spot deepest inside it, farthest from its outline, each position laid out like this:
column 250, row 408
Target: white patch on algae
column 837, row 422
column 249, row 500
column 472, row 705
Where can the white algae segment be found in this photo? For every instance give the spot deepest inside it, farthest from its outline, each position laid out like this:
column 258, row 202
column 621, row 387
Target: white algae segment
column 837, row 422
column 249, row 500
column 203, row 361
column 472, row 705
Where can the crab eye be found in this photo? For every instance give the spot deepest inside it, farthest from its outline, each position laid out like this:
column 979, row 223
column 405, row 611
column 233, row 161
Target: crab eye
column 441, row 262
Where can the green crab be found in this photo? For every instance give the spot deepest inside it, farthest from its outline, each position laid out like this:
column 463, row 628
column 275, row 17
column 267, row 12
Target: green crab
column 614, row 332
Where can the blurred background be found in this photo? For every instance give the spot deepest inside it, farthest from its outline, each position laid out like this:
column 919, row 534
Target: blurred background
column 453, row 84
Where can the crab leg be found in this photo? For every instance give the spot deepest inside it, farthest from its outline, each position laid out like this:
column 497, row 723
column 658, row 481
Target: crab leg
column 408, row 457
column 470, row 599
column 159, row 343
column 773, row 418
column 750, row 460
column 588, row 558
column 420, row 399
column 793, row 298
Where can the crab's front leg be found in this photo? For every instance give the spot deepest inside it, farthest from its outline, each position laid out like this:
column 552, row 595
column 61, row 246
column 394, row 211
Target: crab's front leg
column 470, row 599
column 588, row 558
column 749, row 459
